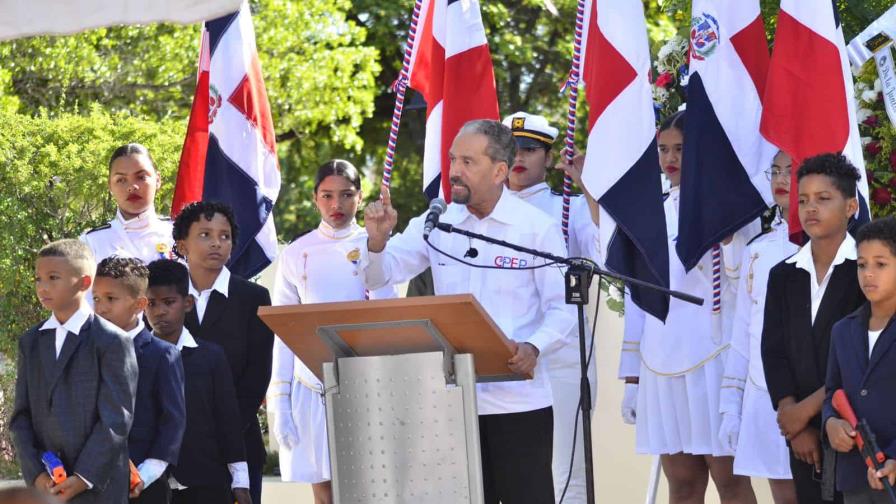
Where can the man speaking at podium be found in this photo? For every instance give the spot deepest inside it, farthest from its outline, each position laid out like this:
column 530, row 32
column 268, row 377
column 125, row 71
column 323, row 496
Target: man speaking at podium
column 527, row 303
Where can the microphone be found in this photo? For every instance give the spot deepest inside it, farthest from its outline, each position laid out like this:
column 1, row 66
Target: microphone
column 436, row 208
column 472, row 253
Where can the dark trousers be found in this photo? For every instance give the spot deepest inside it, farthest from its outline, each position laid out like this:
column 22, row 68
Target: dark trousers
column 808, row 483
column 202, row 495
column 866, row 496
column 255, row 478
column 516, row 457
column 157, row 493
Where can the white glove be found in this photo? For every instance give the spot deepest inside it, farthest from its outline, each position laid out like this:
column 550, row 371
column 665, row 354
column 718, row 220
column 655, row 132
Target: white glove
column 729, row 431
column 285, row 430
column 629, row 403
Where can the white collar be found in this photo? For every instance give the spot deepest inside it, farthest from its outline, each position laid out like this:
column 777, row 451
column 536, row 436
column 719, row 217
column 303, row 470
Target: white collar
column 803, row 258
column 73, row 324
column 531, row 191
column 328, row 231
column 135, row 331
column 140, row 222
column 186, row 340
column 221, row 284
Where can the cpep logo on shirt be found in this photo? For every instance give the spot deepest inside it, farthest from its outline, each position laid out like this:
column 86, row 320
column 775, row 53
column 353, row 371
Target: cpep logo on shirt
column 510, row 262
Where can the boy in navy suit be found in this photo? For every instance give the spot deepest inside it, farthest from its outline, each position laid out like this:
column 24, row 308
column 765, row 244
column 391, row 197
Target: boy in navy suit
column 806, row 294
column 863, row 363
column 211, row 467
column 75, row 386
column 119, row 296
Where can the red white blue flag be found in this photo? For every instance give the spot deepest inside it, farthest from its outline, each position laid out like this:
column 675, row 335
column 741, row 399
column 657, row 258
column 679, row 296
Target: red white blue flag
column 230, row 153
column 621, row 163
column 723, row 182
column 810, row 105
column 452, row 68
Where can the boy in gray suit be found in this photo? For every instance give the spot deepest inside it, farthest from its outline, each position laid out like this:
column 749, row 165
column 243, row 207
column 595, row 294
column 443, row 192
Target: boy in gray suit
column 75, row 386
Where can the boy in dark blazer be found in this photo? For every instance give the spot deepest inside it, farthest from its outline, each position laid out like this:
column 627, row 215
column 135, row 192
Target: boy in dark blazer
column 863, row 364
column 75, row 386
column 119, row 296
column 211, row 467
column 807, row 293
column 227, row 314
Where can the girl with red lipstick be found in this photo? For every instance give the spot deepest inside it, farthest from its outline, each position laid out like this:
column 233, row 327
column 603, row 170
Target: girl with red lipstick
column 136, row 231
column 673, row 370
column 749, row 427
column 320, row 266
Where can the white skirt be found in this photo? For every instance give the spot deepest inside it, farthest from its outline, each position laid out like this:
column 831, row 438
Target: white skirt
column 309, row 460
column 761, row 449
column 680, row 414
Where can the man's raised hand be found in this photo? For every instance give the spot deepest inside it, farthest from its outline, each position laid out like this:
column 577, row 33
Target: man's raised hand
column 379, row 220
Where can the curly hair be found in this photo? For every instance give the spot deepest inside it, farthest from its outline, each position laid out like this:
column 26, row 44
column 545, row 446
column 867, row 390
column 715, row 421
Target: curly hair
column 169, row 273
column 836, row 167
column 191, row 214
column 131, row 272
column 882, row 230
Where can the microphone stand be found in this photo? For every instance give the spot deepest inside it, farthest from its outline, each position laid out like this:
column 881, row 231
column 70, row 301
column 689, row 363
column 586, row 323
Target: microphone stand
column 579, row 275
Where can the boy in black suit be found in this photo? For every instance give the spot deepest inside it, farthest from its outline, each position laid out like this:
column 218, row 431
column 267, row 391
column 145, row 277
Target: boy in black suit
column 119, row 296
column 807, row 293
column 75, row 386
column 211, row 467
column 863, row 364
column 227, row 314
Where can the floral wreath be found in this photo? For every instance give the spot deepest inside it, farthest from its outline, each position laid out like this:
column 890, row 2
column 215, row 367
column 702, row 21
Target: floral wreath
column 670, row 86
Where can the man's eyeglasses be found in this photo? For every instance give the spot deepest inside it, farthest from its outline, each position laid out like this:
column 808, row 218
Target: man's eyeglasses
column 774, row 172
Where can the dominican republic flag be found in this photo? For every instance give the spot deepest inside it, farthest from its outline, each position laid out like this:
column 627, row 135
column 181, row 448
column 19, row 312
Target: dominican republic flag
column 809, row 103
column 452, row 68
column 723, row 181
column 54, row 17
column 622, row 165
column 230, row 154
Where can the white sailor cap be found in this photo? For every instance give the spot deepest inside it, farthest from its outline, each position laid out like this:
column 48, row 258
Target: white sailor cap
column 531, row 130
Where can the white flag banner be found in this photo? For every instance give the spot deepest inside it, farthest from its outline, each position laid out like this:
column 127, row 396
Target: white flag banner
column 887, row 74
column 24, row 18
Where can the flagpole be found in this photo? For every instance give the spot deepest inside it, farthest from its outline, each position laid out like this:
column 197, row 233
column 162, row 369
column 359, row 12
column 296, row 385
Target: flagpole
column 400, row 87
column 572, row 85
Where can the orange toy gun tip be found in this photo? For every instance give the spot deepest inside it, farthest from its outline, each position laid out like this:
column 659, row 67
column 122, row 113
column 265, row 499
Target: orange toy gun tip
column 135, row 475
column 54, row 467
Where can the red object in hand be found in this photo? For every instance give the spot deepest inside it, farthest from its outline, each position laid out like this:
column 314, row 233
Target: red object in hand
column 844, row 409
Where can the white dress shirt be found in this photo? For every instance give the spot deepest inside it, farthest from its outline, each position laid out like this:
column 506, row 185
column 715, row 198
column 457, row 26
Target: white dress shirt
column 872, row 340
column 803, row 259
column 527, row 304
column 222, row 284
column 239, row 471
column 583, row 234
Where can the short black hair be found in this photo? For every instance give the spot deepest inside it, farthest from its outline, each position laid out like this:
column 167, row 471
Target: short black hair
column 340, row 168
column 169, row 273
column 132, row 149
column 883, row 230
column 836, row 167
column 202, row 209
column 75, row 252
column 675, row 120
column 129, row 270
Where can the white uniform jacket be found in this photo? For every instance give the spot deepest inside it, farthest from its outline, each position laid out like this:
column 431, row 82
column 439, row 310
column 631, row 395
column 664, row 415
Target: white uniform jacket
column 527, row 304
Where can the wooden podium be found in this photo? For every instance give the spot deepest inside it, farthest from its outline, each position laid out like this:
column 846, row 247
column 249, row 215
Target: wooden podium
column 399, row 381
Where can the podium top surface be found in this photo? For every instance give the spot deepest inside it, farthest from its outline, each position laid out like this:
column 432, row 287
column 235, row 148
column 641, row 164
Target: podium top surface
column 365, row 327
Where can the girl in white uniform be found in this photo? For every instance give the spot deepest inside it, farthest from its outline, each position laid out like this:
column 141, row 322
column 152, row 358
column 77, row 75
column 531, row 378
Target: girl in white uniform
column 749, row 424
column 676, row 404
column 136, row 231
column 320, row 266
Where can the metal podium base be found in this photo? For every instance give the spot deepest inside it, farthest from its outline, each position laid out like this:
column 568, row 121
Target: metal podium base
column 401, row 432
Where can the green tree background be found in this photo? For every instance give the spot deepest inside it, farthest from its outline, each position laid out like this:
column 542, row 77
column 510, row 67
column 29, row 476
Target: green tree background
column 68, row 101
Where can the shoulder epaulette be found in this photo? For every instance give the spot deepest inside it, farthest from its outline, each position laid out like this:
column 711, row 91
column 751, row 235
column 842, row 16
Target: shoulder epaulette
column 164, row 218
column 666, row 196
column 100, row 228
column 560, row 193
column 766, row 220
